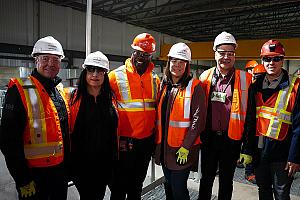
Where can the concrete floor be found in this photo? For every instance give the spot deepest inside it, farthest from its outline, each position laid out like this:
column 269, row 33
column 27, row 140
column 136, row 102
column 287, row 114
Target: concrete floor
column 242, row 188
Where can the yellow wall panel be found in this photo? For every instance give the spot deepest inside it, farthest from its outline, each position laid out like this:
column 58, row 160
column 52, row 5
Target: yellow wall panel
column 247, row 49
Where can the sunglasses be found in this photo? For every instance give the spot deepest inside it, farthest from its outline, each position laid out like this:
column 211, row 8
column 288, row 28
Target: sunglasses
column 142, row 54
column 275, row 59
column 93, row 69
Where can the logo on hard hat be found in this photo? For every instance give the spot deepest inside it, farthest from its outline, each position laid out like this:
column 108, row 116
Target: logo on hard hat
column 182, row 52
column 52, row 47
column 227, row 37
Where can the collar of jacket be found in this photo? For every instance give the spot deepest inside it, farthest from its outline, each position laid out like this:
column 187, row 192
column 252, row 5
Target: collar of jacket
column 47, row 83
column 130, row 67
column 285, row 82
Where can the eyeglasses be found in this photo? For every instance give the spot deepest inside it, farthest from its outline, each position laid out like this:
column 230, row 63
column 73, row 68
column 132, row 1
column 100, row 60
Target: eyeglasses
column 142, row 54
column 177, row 62
column 93, row 69
column 228, row 53
column 275, row 59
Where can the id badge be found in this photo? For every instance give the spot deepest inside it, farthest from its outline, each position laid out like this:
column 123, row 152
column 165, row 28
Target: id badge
column 218, row 96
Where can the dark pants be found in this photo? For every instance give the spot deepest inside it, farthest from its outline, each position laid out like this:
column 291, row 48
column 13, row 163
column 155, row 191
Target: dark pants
column 273, row 178
column 249, row 169
column 176, row 184
column 218, row 151
column 91, row 182
column 51, row 183
column 131, row 169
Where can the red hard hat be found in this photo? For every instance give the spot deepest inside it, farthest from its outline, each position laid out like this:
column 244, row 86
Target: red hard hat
column 272, row 48
column 144, row 42
column 259, row 69
column 251, row 64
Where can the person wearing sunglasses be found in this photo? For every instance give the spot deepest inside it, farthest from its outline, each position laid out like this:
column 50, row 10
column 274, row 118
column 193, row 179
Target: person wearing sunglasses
column 135, row 88
column 94, row 124
column 34, row 127
column 181, row 116
column 226, row 94
column 272, row 136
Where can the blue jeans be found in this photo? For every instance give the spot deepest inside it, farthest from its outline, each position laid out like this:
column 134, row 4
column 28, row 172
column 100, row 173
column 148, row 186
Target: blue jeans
column 176, row 184
column 272, row 177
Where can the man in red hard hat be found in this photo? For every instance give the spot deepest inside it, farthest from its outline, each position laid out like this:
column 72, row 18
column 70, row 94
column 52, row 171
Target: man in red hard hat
column 135, row 88
column 272, row 125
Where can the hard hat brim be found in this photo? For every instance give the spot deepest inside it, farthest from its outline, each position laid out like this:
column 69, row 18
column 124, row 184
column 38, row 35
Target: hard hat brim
column 271, row 54
column 140, row 49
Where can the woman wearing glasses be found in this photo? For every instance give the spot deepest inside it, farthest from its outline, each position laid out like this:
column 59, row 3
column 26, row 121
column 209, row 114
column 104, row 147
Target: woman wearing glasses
column 181, row 118
column 93, row 128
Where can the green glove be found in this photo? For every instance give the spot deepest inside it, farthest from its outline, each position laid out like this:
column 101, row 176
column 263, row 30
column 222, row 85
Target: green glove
column 182, row 156
column 28, row 190
column 245, row 159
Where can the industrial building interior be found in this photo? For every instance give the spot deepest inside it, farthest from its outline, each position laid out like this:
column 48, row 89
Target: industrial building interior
column 116, row 22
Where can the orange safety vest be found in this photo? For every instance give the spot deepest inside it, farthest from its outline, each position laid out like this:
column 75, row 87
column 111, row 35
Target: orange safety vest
column 74, row 106
column 180, row 121
column 274, row 116
column 135, row 100
column 43, row 141
column 238, row 110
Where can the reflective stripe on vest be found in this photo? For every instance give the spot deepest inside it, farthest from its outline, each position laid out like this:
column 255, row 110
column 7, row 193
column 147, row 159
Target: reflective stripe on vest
column 186, row 110
column 238, row 110
column 279, row 113
column 36, row 113
column 243, row 101
column 39, row 147
column 129, row 104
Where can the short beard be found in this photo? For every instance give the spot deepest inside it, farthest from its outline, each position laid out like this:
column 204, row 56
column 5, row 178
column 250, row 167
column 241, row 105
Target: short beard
column 141, row 68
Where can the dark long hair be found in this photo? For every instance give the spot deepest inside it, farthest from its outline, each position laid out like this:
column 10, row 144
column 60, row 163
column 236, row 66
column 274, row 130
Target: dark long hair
column 183, row 82
column 105, row 91
column 167, row 79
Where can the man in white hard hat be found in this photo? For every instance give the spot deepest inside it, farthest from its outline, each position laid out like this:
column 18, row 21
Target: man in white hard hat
column 35, row 135
column 226, row 92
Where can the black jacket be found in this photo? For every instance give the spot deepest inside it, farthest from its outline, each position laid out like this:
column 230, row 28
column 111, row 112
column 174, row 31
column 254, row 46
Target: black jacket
column 273, row 150
column 13, row 123
column 94, row 138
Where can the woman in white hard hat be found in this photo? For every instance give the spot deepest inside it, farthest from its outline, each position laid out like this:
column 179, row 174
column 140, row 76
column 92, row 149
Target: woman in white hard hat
column 93, row 129
column 181, row 117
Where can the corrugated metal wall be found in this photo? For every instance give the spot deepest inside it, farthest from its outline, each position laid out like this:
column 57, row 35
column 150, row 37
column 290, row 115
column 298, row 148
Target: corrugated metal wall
column 24, row 21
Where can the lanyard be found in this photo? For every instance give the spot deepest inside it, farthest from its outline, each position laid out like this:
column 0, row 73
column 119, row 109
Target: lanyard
column 227, row 82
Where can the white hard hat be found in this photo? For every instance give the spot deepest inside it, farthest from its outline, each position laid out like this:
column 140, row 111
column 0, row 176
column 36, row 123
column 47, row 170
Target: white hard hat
column 97, row 59
column 224, row 38
column 181, row 51
column 48, row 45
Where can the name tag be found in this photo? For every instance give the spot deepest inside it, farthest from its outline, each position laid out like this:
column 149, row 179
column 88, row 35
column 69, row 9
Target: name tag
column 218, row 96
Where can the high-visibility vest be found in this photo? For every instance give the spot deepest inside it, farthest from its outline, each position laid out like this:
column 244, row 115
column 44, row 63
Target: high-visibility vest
column 179, row 122
column 43, row 141
column 238, row 110
column 274, row 116
column 135, row 97
column 74, row 105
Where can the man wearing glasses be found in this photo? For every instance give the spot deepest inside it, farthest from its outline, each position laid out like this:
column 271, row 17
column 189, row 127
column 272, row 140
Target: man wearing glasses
column 226, row 92
column 135, row 87
column 35, row 135
column 272, row 128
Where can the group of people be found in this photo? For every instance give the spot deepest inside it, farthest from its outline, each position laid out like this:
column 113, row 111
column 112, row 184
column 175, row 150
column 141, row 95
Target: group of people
column 104, row 132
